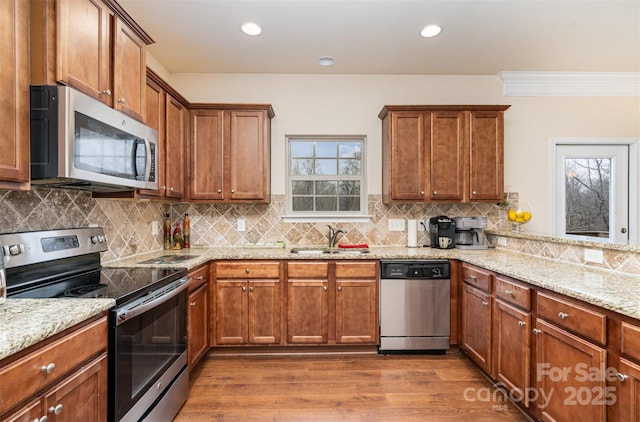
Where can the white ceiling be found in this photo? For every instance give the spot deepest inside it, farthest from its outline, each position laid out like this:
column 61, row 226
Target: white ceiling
column 479, row 37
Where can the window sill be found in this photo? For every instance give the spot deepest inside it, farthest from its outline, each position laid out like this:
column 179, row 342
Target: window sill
column 326, row 218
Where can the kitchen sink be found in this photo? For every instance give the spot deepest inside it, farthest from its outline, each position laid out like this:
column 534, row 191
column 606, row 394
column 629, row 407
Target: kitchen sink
column 168, row 259
column 321, row 251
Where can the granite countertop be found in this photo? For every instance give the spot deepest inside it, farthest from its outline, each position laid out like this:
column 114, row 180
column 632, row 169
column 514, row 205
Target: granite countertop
column 25, row 322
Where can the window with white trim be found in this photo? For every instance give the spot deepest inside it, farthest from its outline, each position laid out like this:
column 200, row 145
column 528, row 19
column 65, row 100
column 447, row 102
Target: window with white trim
column 326, row 176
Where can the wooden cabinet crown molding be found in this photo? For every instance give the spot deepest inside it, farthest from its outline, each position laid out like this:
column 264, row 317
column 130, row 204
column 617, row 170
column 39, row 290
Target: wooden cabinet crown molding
column 235, row 107
column 442, row 107
column 153, row 76
column 122, row 14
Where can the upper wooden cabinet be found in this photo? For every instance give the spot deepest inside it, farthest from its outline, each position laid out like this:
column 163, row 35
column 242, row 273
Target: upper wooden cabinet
column 230, row 153
column 93, row 46
column 14, row 91
column 442, row 153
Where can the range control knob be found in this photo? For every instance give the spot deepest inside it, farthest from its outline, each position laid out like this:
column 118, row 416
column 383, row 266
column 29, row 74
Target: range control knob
column 436, row 272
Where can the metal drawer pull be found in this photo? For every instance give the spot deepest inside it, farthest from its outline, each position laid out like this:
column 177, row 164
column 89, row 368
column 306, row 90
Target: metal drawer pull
column 562, row 315
column 122, row 100
column 42, row 419
column 472, row 277
column 192, row 304
column 324, row 288
column 244, row 289
column 200, row 277
column 621, row 377
column 340, row 288
column 508, row 292
column 47, row 369
column 107, row 92
column 246, row 270
column 536, row 331
column 485, row 303
column 56, row 410
column 250, row 289
column 521, row 323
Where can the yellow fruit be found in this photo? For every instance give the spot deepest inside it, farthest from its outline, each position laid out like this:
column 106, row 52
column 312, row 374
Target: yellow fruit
column 519, row 214
column 519, row 220
column 527, row 216
column 511, row 215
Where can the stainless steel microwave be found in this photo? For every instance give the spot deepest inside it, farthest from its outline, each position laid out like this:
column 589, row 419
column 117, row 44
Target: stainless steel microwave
column 78, row 142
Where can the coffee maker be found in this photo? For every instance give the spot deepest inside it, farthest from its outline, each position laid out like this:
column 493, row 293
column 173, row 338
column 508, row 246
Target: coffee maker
column 442, row 231
column 470, row 232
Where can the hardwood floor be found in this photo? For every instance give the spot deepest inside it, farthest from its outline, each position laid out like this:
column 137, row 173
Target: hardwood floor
column 343, row 388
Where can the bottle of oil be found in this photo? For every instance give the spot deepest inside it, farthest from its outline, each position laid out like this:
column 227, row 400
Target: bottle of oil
column 186, row 231
column 177, row 237
column 167, row 232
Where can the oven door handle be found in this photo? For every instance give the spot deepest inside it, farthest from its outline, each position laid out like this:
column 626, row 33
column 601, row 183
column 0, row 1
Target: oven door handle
column 144, row 304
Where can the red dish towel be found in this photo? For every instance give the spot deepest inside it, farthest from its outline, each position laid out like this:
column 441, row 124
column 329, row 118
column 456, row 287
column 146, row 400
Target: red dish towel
column 361, row 246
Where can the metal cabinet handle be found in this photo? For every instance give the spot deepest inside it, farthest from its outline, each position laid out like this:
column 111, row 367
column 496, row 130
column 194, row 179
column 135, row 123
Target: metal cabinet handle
column 233, row 191
column 56, row 410
column 621, row 377
column 192, row 303
column 219, row 190
column 107, row 92
column 324, row 288
column 171, row 188
column 536, row 331
column 340, row 288
column 508, row 292
column 122, row 100
column 473, row 192
column 200, row 277
column 485, row 303
column 521, row 323
column 435, row 192
column 42, row 419
column 244, row 289
column 163, row 188
column 562, row 315
column 47, row 369
column 250, row 289
column 246, row 270
column 472, row 277
column 421, row 192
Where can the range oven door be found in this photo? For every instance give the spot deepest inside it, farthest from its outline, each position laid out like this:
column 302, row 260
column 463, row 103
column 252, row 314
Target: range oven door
column 148, row 352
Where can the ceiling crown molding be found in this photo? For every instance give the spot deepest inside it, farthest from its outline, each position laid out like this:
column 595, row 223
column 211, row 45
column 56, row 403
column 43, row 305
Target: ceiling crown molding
column 570, row 84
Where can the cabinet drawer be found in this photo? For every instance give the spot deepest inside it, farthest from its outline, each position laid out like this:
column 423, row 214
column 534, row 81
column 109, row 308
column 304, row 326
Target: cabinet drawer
column 630, row 339
column 308, row 270
column 576, row 318
column 477, row 277
column 248, row 269
column 27, row 375
column 199, row 276
column 356, row 270
column 512, row 292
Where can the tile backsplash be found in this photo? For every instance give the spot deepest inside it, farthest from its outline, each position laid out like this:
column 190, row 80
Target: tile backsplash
column 127, row 224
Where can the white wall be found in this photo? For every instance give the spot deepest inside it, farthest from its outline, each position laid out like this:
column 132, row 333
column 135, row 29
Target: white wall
column 349, row 104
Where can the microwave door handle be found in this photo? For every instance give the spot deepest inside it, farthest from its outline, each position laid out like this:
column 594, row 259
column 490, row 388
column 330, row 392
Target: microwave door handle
column 148, row 161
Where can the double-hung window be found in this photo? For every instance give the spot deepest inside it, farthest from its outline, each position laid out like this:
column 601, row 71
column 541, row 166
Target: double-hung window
column 326, row 176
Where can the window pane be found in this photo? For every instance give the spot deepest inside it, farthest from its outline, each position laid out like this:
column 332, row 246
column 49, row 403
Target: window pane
column 587, row 196
column 302, row 203
column 326, row 204
column 327, row 167
column 350, row 167
column 302, row 187
column 349, row 203
column 349, row 187
column 301, row 149
column 301, row 167
column 327, row 188
column 350, row 150
column 326, row 149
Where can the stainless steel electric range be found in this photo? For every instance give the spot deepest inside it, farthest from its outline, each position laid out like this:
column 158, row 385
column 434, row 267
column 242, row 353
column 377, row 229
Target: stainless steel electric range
column 148, row 376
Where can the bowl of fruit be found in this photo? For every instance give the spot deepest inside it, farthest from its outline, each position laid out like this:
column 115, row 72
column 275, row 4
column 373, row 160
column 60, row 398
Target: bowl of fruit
column 519, row 216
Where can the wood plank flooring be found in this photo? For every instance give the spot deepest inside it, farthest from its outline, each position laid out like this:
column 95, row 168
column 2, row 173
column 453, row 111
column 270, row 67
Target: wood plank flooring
column 343, row 388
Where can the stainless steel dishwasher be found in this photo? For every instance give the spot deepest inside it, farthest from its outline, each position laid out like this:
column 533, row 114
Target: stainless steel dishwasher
column 414, row 305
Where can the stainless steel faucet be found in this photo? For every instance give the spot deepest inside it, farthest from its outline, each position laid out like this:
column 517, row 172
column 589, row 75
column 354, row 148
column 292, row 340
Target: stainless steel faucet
column 333, row 234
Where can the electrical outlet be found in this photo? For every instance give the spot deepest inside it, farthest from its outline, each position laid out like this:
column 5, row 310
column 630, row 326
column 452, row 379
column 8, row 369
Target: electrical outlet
column 396, row 224
column 594, row 255
column 155, row 228
column 242, row 225
column 502, row 241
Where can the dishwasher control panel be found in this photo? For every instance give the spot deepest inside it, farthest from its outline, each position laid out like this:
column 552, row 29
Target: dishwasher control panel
column 427, row 269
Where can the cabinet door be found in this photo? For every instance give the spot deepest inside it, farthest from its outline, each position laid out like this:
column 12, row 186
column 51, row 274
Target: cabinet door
column 82, row 396
column 356, row 311
column 14, row 91
column 446, row 166
column 206, row 154
column 231, row 312
column 476, row 325
column 512, row 348
column 84, row 50
column 307, row 311
column 264, row 311
column 32, row 412
column 629, row 391
column 129, row 68
column 407, row 155
column 174, row 165
column 565, row 392
column 486, row 144
column 247, row 156
column 155, row 118
column 198, row 325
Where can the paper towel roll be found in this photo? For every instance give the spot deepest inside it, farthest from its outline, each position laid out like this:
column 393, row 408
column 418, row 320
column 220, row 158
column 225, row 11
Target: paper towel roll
column 412, row 233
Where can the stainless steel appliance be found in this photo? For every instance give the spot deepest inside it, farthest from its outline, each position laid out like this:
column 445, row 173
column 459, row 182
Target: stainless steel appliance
column 470, row 232
column 442, row 231
column 415, row 305
column 3, row 281
column 78, row 142
column 148, row 376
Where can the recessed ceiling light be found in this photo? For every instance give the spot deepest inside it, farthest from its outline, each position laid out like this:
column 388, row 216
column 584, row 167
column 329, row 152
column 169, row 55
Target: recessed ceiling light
column 251, row 28
column 430, row 31
column 326, row 60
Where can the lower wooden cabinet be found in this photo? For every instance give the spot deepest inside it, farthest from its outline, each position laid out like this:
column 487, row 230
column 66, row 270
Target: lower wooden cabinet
column 307, row 302
column 627, row 391
column 198, row 316
column 476, row 318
